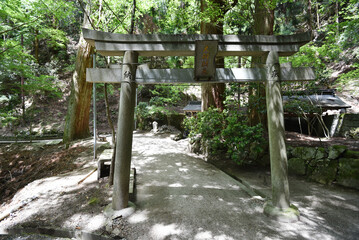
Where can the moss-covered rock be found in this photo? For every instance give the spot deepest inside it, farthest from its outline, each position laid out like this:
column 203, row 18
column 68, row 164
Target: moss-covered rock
column 336, row 151
column 305, row 153
column 101, row 146
column 321, row 153
column 348, row 173
column 325, row 171
column 351, row 154
column 297, row 166
column 289, row 152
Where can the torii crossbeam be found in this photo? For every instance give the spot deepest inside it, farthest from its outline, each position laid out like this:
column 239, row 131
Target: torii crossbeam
column 132, row 46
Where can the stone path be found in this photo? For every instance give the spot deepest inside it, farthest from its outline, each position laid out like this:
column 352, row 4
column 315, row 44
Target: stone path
column 179, row 196
column 182, row 197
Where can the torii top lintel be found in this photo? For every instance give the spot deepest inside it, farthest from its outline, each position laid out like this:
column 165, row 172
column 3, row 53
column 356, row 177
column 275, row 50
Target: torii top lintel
column 113, row 44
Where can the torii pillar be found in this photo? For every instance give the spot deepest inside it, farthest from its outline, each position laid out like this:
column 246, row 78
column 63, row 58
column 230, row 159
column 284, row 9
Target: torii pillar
column 125, row 132
column 279, row 206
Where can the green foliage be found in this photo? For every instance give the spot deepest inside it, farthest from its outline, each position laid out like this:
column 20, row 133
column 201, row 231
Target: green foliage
column 346, row 79
column 335, row 41
column 352, row 133
column 27, row 28
column 7, row 117
column 299, row 107
column 242, row 140
column 163, row 95
column 146, row 114
column 208, row 123
column 227, row 131
column 93, row 201
column 239, row 18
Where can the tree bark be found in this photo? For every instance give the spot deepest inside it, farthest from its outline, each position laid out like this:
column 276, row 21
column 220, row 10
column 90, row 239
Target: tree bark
column 78, row 111
column 212, row 94
column 263, row 25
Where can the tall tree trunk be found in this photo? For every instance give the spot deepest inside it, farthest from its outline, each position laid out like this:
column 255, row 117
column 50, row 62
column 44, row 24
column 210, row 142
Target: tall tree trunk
column 310, row 16
column 318, row 17
column 132, row 27
column 337, row 17
column 22, row 82
column 36, row 45
column 263, row 25
column 213, row 94
column 78, row 111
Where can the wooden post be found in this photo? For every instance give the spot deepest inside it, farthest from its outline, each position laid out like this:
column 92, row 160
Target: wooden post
column 280, row 205
column 125, row 132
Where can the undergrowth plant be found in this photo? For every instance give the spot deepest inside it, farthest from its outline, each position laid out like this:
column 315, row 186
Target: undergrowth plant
column 227, row 132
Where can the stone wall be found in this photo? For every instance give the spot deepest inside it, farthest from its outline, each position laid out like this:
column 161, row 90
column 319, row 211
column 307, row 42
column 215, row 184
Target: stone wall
column 335, row 164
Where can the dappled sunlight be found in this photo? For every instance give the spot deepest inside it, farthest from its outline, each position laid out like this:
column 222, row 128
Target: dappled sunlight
column 233, row 186
column 213, row 187
column 52, row 202
column 155, row 183
column 185, row 170
column 302, row 230
column 175, row 185
column 161, row 231
column 205, row 235
column 138, row 217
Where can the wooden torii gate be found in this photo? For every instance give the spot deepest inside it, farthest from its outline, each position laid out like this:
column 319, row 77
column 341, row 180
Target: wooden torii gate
column 132, row 46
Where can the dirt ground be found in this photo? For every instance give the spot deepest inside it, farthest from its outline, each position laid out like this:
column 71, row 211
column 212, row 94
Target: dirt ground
column 24, row 163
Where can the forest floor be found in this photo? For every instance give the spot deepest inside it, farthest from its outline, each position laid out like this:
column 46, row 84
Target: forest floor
column 40, row 187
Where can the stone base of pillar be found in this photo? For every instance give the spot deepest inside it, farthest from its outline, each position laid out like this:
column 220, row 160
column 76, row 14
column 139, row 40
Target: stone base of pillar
column 290, row 214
